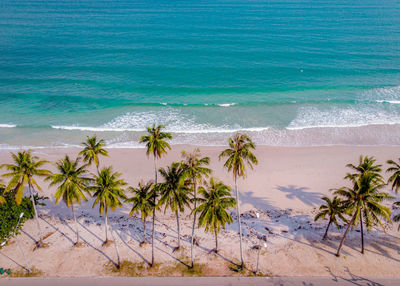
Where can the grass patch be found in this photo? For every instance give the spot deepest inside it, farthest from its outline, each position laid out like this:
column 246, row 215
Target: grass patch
column 23, row 273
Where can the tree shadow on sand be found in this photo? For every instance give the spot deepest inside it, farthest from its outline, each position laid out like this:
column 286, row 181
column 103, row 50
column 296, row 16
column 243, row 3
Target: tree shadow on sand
column 353, row 279
column 300, row 193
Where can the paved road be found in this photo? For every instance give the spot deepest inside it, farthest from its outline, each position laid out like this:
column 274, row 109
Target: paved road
column 197, row 281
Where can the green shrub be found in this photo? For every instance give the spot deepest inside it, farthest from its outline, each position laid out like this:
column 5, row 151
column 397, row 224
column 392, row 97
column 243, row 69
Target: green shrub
column 10, row 211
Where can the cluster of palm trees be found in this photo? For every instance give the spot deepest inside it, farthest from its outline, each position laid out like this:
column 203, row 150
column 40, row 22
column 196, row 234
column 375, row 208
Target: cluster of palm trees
column 185, row 185
column 362, row 203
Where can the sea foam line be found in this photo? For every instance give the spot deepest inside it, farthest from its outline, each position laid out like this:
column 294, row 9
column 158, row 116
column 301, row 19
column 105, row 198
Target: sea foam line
column 188, row 131
column 8, row 125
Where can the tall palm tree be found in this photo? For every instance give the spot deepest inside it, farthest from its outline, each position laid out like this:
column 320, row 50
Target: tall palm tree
column 395, row 180
column 363, row 203
column 215, row 200
column 142, row 201
column 72, row 181
column 22, row 173
column 108, row 191
column 157, row 146
column 238, row 155
column 92, row 150
column 174, row 192
column 195, row 168
column 333, row 209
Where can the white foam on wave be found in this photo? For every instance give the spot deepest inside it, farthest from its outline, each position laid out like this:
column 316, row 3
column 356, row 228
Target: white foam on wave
column 388, row 101
column 312, row 117
column 174, row 120
column 8, row 125
column 390, row 94
column 226, row 104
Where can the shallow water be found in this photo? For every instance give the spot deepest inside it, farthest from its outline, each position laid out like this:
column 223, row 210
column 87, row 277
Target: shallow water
column 288, row 72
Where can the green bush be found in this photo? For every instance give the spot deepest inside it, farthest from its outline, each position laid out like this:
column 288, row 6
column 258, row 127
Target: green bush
column 9, row 214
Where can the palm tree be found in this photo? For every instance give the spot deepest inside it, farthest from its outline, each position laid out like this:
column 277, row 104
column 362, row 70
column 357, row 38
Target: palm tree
column 238, row 155
column 333, row 209
column 22, row 174
column 157, row 146
column 174, row 192
column 395, row 180
column 193, row 165
column 142, row 201
column 92, row 150
column 215, row 200
column 108, row 191
column 2, row 189
column 71, row 181
column 363, row 203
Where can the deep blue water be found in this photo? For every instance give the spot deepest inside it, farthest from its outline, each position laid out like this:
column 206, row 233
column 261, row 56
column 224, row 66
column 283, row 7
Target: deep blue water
column 276, row 69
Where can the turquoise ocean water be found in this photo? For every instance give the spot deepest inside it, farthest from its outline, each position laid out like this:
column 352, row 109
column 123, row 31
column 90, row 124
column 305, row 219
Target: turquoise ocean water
column 292, row 72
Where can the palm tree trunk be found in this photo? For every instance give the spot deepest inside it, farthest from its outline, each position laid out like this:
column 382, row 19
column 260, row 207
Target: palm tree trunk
column 116, row 247
column 327, row 228
column 216, row 240
column 194, row 223
column 240, row 226
column 154, row 214
column 345, row 233
column 144, row 230
column 362, row 233
column 36, row 214
column 76, row 224
column 106, row 225
column 179, row 231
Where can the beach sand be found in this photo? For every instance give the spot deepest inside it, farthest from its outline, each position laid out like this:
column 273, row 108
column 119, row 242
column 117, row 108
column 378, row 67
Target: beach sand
column 285, row 188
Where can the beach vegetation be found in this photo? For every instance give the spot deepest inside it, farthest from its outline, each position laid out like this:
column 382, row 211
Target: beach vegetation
column 195, row 167
column 23, row 173
column 239, row 154
column 142, row 202
column 363, row 201
column 333, row 209
column 72, row 182
column 92, row 150
column 214, row 203
column 156, row 146
column 174, row 192
column 394, row 180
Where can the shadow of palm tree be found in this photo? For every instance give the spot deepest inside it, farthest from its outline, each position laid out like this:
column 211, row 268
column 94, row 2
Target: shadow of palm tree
column 13, row 260
column 88, row 244
column 353, row 279
column 294, row 192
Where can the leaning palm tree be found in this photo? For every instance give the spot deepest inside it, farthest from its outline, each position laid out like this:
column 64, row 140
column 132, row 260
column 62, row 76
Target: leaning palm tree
column 72, row 181
column 92, row 150
column 22, row 174
column 333, row 209
column 174, row 192
column 395, row 180
column 238, row 155
column 108, row 191
column 156, row 145
column 195, row 168
column 215, row 201
column 142, row 201
column 363, row 203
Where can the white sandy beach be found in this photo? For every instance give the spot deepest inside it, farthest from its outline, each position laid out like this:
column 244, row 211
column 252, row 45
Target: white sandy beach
column 285, row 188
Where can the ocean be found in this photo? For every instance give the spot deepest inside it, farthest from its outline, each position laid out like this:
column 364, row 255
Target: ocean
column 288, row 73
